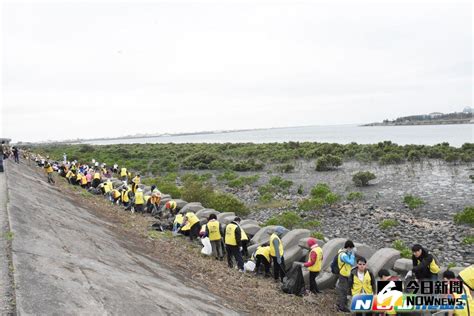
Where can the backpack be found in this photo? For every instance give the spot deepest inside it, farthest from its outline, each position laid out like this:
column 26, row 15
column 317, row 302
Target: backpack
column 335, row 264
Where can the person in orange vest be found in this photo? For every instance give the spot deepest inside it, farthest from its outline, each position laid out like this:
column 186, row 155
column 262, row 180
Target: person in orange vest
column 314, row 263
column 214, row 232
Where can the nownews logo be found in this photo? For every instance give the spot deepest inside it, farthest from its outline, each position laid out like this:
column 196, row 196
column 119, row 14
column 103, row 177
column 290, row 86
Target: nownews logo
column 424, row 295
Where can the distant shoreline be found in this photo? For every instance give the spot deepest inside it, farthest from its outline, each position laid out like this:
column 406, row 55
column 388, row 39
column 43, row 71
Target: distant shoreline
column 430, row 122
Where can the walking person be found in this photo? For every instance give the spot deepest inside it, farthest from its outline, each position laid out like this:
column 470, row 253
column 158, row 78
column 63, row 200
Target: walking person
column 314, row 263
column 233, row 242
column 276, row 253
column 345, row 262
column 214, row 232
column 16, row 154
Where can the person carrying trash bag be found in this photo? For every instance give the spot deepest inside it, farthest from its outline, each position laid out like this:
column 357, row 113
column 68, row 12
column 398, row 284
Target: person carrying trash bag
column 276, row 253
column 233, row 243
column 214, row 232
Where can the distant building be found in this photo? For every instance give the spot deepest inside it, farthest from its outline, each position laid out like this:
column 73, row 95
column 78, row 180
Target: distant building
column 435, row 115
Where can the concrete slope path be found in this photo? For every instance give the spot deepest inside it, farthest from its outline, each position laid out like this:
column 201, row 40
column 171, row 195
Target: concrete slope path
column 67, row 262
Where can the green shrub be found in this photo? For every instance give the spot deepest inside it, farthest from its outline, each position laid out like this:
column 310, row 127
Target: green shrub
column 267, row 188
column 388, row 223
column 352, row 196
column 286, row 168
column 227, row 203
column 248, row 165
column 413, row 202
column 317, row 235
column 320, row 190
column 399, row 245
column 362, row 178
column 310, row 224
column 331, row 198
column 289, row 220
column 452, row 157
column 391, row 158
column 243, row 181
column 465, row 217
column 301, row 188
column 414, row 155
column 328, row 162
column 471, row 177
column 266, row 197
column 199, row 160
column 280, row 183
column 311, row 204
column 469, row 240
column 195, row 191
column 227, row 176
column 170, row 188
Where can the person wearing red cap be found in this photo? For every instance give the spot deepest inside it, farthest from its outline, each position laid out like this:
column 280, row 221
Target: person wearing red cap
column 314, row 264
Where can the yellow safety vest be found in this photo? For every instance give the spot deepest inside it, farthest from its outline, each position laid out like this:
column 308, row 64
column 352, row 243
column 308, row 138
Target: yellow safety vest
column 172, row 205
column 264, row 251
column 147, row 197
column 243, row 234
column 344, row 268
column 358, row 285
column 192, row 218
column 73, row 167
column 115, row 193
column 203, row 229
column 178, row 219
column 230, row 235
column 272, row 247
column 186, row 227
column 214, row 231
column 123, row 172
column 136, row 180
column 316, row 267
column 83, row 180
column 467, row 276
column 49, row 169
column 139, row 198
column 125, row 198
column 108, row 186
column 97, row 175
column 434, row 268
column 69, row 174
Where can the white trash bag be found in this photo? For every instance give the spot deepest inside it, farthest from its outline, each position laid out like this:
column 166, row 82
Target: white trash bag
column 249, row 266
column 207, row 249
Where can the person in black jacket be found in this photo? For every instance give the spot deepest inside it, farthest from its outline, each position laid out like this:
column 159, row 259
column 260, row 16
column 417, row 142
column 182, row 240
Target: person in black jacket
column 424, row 264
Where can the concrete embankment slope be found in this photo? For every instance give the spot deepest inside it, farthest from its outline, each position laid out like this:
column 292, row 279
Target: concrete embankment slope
column 67, row 262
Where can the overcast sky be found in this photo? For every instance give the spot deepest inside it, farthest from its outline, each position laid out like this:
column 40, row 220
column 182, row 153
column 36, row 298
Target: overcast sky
column 81, row 69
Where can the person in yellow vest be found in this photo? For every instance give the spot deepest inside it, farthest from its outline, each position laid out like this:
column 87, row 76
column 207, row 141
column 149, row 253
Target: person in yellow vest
column 214, row 232
column 277, row 252
column 171, row 206
column 345, row 262
column 262, row 256
column 244, row 238
column 178, row 222
column 467, row 278
column 126, row 192
column 153, row 204
column 123, row 174
column 96, row 178
column 139, row 201
column 49, row 172
column 69, row 175
column 233, row 242
column 314, row 263
column 115, row 196
column 361, row 279
column 194, row 224
column 424, row 264
column 83, row 180
column 135, row 183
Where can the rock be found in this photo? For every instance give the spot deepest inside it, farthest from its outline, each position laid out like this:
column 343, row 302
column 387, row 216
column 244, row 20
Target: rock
column 294, row 254
column 292, row 238
column 205, row 212
column 263, row 235
column 226, row 217
column 249, row 221
column 364, row 251
column 383, row 259
column 180, row 203
column 325, row 280
column 330, row 249
column 303, row 243
column 403, row 265
column 250, row 229
column 191, row 207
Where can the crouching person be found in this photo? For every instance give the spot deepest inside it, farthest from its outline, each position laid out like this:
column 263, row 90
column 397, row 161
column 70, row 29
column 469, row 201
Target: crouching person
column 262, row 257
column 194, row 225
